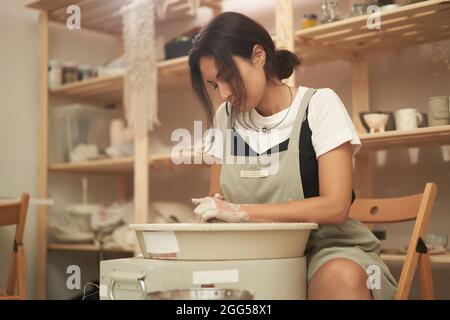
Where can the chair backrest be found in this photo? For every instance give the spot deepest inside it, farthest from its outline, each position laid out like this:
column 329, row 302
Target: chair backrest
column 416, row 207
column 14, row 213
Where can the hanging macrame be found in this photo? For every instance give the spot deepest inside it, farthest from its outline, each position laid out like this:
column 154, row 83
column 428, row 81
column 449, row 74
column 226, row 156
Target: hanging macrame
column 140, row 82
column 140, row 85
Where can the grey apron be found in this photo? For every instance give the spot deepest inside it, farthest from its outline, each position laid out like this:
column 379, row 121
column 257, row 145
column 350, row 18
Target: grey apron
column 251, row 180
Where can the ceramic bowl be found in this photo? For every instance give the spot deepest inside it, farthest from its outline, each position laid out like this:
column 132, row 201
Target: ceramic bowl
column 435, row 241
column 223, row 241
column 390, row 125
column 376, row 122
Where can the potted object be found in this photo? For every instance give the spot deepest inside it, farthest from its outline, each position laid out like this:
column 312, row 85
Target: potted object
column 390, row 123
column 376, row 122
column 181, row 45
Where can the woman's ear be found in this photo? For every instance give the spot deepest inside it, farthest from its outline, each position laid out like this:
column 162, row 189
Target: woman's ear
column 258, row 55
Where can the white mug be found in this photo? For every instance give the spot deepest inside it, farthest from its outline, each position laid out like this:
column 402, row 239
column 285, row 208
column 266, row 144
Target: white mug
column 407, row 119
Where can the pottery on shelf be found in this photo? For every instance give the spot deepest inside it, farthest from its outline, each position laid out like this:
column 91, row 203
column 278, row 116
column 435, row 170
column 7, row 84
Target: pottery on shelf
column 376, row 122
column 390, row 125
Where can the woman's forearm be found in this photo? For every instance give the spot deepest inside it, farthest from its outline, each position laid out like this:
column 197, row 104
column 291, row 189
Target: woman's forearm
column 322, row 210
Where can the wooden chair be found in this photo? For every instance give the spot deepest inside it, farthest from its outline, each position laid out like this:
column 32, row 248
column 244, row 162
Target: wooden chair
column 14, row 213
column 416, row 207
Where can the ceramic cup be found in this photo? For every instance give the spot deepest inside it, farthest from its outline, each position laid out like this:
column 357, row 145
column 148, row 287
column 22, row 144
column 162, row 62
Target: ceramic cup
column 390, row 125
column 424, row 122
column 408, row 119
column 438, row 111
column 376, row 122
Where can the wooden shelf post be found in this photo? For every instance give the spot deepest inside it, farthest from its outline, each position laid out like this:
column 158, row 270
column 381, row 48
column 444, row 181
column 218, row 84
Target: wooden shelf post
column 361, row 103
column 360, row 90
column 284, row 29
column 42, row 150
column 141, row 169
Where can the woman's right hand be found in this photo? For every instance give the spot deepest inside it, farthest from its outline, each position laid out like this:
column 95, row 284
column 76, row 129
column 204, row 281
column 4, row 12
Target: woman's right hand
column 209, row 208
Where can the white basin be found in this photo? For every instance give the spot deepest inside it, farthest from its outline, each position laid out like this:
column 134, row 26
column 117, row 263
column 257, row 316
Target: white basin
column 223, row 241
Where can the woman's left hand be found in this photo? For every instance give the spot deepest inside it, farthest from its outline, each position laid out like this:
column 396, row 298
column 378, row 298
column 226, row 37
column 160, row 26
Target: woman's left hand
column 215, row 208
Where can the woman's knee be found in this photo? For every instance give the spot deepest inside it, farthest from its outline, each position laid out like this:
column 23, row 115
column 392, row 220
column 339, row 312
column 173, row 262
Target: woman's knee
column 344, row 272
column 340, row 277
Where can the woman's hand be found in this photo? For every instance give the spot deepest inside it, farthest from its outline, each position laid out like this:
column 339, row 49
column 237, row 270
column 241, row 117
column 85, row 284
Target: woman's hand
column 210, row 208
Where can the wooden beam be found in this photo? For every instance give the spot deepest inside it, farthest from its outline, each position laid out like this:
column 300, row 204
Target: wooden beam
column 215, row 5
column 50, row 5
column 360, row 103
column 284, row 29
column 360, row 90
column 312, row 46
column 363, row 175
column 42, row 142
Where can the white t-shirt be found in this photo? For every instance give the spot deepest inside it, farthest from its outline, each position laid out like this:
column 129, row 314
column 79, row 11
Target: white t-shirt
column 328, row 120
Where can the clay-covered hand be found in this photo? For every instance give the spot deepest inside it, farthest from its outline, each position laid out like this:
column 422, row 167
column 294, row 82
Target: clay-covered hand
column 215, row 208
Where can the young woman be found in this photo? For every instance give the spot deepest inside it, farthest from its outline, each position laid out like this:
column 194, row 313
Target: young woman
column 314, row 139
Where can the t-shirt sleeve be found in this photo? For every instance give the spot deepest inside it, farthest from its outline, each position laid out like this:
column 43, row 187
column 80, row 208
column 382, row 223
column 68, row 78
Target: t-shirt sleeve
column 214, row 136
column 330, row 123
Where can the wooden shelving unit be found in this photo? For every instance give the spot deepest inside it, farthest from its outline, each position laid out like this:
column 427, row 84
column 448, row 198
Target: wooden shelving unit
column 102, row 89
column 348, row 40
column 102, row 16
column 117, row 165
column 55, row 246
column 409, row 25
column 109, row 88
column 429, row 136
column 443, row 258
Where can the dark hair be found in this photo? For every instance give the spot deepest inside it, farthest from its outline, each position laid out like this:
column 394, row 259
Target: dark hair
column 234, row 34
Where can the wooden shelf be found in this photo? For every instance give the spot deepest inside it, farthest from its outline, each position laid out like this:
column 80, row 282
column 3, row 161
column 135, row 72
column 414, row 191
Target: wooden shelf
column 102, row 15
column 173, row 72
column 408, row 25
column 109, row 88
column 412, row 138
column 429, row 136
column 56, row 246
column 435, row 258
column 105, row 89
column 160, row 162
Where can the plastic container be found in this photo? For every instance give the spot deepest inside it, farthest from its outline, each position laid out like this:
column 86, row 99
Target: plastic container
column 84, row 72
column 75, row 126
column 69, row 72
column 309, row 20
column 223, row 241
column 79, row 215
column 54, row 74
column 330, row 11
column 178, row 47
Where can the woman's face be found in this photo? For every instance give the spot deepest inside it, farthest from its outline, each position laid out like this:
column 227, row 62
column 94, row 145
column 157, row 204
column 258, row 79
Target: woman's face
column 252, row 75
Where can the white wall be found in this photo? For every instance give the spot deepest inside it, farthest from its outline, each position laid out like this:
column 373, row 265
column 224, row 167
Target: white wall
column 402, row 78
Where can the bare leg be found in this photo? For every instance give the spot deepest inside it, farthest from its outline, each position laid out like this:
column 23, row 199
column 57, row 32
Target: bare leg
column 340, row 279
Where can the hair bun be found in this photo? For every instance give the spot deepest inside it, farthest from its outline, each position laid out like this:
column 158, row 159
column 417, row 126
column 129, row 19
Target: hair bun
column 286, row 63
